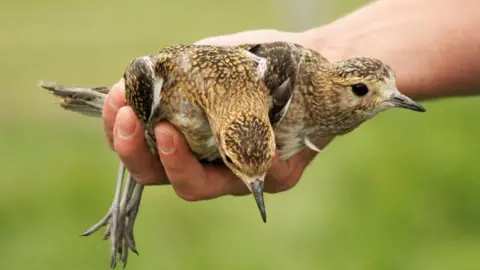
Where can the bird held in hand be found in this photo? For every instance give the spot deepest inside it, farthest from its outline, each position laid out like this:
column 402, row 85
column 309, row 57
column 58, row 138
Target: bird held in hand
column 304, row 98
column 214, row 95
column 329, row 99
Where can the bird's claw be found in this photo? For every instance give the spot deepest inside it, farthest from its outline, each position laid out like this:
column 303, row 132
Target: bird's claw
column 120, row 219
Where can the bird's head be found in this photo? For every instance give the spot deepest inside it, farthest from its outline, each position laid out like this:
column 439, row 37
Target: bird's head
column 247, row 147
column 366, row 86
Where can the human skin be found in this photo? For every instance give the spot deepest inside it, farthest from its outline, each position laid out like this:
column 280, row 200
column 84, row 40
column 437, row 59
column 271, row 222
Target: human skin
column 432, row 45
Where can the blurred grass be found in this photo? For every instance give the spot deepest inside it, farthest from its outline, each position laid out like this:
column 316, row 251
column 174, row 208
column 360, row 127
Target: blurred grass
column 399, row 193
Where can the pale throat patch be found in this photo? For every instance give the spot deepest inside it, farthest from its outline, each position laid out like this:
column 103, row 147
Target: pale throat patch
column 388, row 88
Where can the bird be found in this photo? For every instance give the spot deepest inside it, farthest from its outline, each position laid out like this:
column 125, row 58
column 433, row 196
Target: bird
column 214, row 95
column 329, row 99
column 307, row 98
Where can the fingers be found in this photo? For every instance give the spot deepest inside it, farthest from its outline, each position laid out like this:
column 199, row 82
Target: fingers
column 284, row 175
column 280, row 176
column 114, row 101
column 126, row 136
column 253, row 36
column 191, row 180
column 129, row 143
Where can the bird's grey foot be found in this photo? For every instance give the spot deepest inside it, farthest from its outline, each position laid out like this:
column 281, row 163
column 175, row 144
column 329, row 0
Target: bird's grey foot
column 132, row 210
column 124, row 240
column 120, row 218
column 113, row 209
column 128, row 214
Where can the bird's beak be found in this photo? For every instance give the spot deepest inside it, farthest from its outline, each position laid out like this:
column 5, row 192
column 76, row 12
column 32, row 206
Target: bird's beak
column 399, row 100
column 257, row 189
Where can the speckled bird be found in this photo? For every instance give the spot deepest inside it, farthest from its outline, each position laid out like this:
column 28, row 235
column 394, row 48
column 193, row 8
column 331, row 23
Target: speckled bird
column 307, row 98
column 215, row 96
column 328, row 99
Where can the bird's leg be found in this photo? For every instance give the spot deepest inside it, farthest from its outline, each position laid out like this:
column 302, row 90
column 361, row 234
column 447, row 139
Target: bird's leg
column 130, row 211
column 129, row 205
column 122, row 234
column 132, row 208
column 116, row 219
column 115, row 205
column 121, row 217
column 117, row 223
column 131, row 186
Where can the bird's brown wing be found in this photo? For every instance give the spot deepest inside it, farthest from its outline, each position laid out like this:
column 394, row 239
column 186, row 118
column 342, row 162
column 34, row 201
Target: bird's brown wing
column 283, row 60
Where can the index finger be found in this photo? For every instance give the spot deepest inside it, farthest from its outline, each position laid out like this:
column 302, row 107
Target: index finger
column 113, row 102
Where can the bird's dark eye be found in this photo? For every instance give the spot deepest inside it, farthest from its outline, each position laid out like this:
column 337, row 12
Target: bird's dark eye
column 359, row 89
column 229, row 160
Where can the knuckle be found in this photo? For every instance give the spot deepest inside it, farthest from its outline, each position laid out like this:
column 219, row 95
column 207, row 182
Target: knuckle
column 146, row 181
column 291, row 183
column 240, row 193
column 148, row 175
column 188, row 195
column 284, row 185
column 109, row 136
column 108, row 118
column 108, row 126
column 174, row 169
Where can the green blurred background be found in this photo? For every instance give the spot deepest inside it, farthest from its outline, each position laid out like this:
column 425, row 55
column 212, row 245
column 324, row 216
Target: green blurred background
column 401, row 192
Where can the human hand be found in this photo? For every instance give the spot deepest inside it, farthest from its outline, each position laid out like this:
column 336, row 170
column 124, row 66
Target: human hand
column 190, row 179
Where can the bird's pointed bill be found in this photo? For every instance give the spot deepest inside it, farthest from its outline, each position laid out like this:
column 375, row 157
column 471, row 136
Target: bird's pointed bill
column 257, row 190
column 399, row 100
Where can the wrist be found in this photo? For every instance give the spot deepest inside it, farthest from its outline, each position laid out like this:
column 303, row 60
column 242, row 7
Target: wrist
column 322, row 40
column 335, row 47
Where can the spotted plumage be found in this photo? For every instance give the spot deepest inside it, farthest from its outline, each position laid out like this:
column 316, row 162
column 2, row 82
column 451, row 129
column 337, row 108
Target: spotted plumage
column 246, row 152
column 363, row 67
column 323, row 102
column 204, row 89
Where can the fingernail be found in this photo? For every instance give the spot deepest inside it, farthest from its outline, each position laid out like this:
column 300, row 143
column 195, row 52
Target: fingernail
column 126, row 127
column 165, row 140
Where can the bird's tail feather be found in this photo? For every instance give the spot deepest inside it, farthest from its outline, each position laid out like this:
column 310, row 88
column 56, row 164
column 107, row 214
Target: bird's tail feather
column 87, row 101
